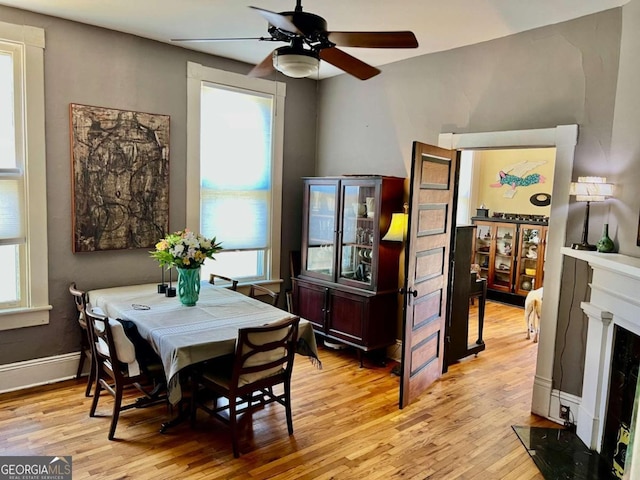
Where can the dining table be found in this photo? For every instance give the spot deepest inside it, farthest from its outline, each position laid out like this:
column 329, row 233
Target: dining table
column 184, row 336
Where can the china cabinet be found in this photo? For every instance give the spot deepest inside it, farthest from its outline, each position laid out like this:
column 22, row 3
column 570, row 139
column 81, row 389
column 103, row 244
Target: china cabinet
column 510, row 255
column 531, row 255
column 494, row 252
column 347, row 286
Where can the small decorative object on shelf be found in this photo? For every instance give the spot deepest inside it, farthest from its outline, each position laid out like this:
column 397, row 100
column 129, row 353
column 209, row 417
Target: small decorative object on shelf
column 605, row 244
column 162, row 287
column 482, row 211
column 186, row 251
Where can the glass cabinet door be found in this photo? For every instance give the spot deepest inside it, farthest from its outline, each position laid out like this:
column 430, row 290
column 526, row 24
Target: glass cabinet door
column 482, row 251
column 505, row 237
column 321, row 229
column 531, row 244
column 358, row 218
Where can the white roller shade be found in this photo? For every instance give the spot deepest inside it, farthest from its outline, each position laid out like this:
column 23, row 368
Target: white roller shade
column 235, row 169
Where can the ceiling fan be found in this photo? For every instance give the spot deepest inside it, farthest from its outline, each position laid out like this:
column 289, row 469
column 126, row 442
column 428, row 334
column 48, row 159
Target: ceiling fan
column 309, row 42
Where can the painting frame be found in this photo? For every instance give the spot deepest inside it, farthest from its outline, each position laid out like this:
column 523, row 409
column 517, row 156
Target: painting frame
column 120, row 178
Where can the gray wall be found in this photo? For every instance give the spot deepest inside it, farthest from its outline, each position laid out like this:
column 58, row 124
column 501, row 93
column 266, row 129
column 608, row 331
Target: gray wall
column 94, row 66
column 560, row 74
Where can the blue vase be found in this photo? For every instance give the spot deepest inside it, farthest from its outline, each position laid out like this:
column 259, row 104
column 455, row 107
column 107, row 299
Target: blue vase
column 189, row 285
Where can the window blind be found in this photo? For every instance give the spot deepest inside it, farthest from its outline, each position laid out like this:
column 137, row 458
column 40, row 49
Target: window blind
column 235, row 167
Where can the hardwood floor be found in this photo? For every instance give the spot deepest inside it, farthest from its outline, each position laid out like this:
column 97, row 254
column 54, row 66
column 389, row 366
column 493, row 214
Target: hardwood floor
column 347, row 424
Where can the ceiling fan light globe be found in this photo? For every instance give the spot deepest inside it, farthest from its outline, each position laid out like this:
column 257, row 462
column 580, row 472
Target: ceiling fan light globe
column 296, row 65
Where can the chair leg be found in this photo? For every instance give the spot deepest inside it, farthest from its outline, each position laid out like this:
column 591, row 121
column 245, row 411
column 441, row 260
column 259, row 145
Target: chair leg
column 84, row 347
column 193, row 404
column 80, row 365
column 117, row 402
column 92, row 377
column 287, row 406
column 233, row 424
column 96, row 397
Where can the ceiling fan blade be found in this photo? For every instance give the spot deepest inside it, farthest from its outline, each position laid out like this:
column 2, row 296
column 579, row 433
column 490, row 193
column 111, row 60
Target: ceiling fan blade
column 349, row 64
column 279, row 21
column 266, row 39
column 401, row 39
column 264, row 68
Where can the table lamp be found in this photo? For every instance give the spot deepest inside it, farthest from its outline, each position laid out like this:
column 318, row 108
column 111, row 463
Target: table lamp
column 398, row 228
column 397, row 233
column 589, row 189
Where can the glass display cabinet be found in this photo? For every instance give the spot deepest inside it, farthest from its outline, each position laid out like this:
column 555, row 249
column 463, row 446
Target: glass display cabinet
column 494, row 252
column 531, row 254
column 510, row 255
column 349, row 277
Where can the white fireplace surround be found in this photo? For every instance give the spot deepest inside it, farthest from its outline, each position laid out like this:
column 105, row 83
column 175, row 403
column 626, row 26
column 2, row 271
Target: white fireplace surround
column 614, row 300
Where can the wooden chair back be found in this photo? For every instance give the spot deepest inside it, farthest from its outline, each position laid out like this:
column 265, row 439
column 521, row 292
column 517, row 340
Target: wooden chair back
column 86, row 350
column 80, row 300
column 232, row 281
column 264, row 294
column 263, row 360
column 264, row 355
column 118, row 368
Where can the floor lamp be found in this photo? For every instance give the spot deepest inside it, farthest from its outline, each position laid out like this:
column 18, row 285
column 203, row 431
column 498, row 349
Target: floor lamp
column 398, row 233
column 589, row 189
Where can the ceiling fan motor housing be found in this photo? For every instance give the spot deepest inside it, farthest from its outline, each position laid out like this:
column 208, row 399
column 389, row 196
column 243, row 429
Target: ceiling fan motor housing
column 312, row 26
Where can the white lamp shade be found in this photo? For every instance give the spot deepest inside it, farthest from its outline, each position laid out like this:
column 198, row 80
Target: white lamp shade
column 591, row 189
column 397, row 229
column 295, row 65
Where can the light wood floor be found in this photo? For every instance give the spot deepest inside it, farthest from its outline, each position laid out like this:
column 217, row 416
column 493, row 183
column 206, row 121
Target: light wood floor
column 346, row 420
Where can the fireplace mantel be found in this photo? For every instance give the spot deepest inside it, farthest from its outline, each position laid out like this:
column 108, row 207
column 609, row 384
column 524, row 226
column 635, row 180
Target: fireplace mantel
column 614, row 300
column 621, row 264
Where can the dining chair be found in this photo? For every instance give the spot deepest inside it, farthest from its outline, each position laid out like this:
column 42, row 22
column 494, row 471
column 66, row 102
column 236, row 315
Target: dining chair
column 264, row 294
column 80, row 300
column 294, row 270
column 232, row 281
column 118, row 368
column 263, row 359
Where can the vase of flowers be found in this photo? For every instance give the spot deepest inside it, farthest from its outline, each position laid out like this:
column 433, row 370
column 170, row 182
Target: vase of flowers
column 186, row 251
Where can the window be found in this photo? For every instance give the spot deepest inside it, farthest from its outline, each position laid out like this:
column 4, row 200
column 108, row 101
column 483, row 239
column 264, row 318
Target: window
column 234, row 169
column 23, row 220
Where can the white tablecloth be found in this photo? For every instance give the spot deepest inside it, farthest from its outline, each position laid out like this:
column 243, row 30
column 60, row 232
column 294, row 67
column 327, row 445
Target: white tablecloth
column 184, row 335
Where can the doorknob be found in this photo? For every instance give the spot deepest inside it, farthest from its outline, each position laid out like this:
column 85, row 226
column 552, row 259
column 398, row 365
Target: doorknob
column 410, row 291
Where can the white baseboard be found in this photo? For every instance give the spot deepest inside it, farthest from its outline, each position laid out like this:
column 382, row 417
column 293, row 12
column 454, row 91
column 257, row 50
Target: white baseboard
column 39, row 371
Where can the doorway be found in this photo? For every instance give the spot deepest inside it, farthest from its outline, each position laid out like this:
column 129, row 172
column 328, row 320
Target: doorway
column 506, row 193
column 564, row 139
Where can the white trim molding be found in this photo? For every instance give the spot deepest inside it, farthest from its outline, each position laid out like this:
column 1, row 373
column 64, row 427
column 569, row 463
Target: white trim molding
column 40, row 371
column 35, row 308
column 564, row 138
column 196, row 75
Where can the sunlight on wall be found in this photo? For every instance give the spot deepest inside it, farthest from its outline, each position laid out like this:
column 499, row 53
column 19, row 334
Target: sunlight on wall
column 524, row 173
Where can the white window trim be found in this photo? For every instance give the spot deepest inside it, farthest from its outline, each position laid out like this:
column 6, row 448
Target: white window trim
column 37, row 310
column 196, row 74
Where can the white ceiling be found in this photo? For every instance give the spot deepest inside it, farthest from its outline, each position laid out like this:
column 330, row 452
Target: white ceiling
column 439, row 25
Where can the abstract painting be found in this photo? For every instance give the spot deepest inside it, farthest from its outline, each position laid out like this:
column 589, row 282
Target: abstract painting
column 120, row 178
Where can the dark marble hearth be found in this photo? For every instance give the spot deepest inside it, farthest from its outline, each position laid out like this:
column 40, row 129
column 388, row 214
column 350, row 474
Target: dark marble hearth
column 560, row 455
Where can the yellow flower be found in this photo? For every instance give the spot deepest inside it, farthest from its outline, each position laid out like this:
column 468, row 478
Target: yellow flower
column 162, row 245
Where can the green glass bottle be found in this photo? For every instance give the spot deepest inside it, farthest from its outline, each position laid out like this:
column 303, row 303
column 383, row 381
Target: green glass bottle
column 605, row 244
